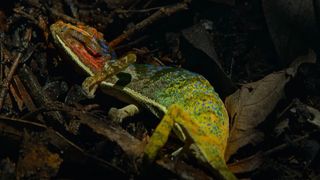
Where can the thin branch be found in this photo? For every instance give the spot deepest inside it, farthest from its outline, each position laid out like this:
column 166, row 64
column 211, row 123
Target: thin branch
column 64, row 17
column 138, row 10
column 162, row 12
column 23, row 122
column 25, row 14
column 7, row 81
column 285, row 145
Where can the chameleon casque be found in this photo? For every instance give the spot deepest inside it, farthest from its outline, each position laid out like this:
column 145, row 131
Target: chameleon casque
column 185, row 101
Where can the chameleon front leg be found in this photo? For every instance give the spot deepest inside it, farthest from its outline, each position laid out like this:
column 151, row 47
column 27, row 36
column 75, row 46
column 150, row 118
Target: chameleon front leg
column 207, row 148
column 118, row 115
column 175, row 119
column 111, row 68
column 159, row 137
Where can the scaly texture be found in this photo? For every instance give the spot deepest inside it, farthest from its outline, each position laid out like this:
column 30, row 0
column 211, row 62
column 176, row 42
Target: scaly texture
column 164, row 86
column 171, row 91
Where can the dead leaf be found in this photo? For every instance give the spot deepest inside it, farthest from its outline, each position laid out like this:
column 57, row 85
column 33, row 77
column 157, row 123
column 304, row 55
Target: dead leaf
column 43, row 24
column 37, row 161
column 202, row 58
column 292, row 26
column 16, row 96
column 198, row 36
column 253, row 102
column 183, row 170
column 21, row 95
column 129, row 144
column 246, row 165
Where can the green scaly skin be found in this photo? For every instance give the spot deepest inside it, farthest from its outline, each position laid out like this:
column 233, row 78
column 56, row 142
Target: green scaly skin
column 165, row 90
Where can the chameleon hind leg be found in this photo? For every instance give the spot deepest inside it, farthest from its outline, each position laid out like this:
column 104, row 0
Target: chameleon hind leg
column 175, row 117
column 209, row 152
column 90, row 84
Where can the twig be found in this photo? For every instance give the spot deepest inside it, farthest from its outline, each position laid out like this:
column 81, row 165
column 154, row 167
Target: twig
column 40, row 97
column 64, row 17
column 7, row 81
column 162, row 12
column 25, row 14
column 132, row 43
column 147, row 4
column 137, row 10
column 285, row 145
column 22, row 122
column 58, row 139
column 182, row 169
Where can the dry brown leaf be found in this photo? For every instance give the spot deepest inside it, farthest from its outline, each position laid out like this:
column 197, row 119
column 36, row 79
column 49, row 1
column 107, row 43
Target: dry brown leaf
column 210, row 65
column 25, row 96
column 253, row 102
column 129, row 144
column 16, row 96
column 200, row 38
column 247, row 164
column 43, row 24
column 183, row 170
column 37, row 161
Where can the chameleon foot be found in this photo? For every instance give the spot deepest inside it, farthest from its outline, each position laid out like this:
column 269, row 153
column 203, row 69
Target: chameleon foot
column 117, row 115
column 91, row 83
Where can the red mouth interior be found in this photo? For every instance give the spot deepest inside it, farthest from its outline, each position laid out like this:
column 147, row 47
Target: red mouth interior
column 95, row 62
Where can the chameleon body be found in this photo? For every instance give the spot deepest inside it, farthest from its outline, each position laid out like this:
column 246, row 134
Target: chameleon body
column 185, row 101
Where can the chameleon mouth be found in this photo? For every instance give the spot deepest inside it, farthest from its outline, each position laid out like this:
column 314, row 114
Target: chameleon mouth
column 91, row 63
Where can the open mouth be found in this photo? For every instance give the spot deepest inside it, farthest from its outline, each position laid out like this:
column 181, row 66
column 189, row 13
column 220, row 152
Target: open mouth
column 88, row 60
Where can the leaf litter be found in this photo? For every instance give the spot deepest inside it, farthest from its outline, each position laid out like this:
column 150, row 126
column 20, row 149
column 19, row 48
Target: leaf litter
column 49, row 129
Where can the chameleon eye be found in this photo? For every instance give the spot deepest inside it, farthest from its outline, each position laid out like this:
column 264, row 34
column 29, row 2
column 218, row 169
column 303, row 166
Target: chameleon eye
column 93, row 49
column 107, row 51
column 104, row 47
column 89, row 43
column 64, row 29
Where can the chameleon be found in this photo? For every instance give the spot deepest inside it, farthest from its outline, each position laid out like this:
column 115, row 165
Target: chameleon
column 184, row 101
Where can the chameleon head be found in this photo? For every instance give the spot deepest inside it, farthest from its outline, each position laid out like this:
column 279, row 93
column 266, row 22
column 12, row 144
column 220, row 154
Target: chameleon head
column 84, row 45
